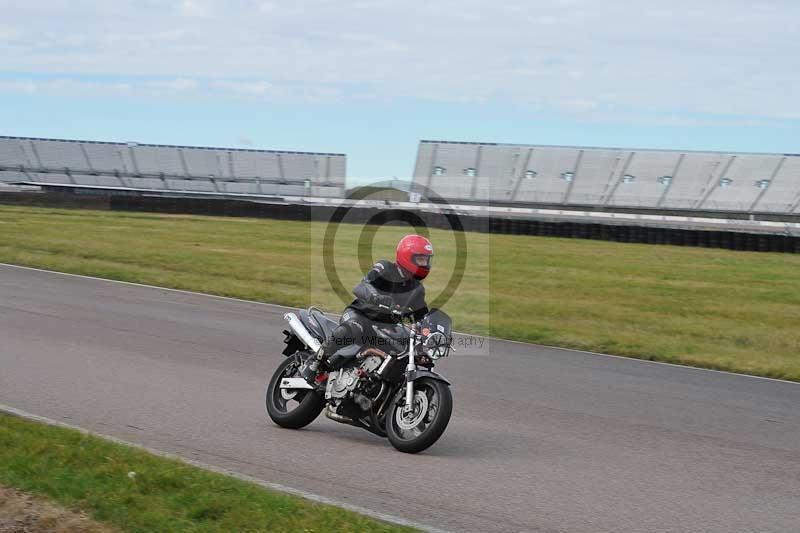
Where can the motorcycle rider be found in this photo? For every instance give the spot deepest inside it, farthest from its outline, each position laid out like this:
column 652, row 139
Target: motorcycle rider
column 388, row 292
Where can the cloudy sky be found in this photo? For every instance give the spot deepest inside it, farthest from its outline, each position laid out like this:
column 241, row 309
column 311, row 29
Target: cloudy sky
column 371, row 78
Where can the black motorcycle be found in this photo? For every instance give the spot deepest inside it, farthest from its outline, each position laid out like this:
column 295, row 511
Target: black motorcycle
column 387, row 387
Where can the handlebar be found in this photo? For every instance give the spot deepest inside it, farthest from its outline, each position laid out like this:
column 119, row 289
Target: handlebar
column 393, row 310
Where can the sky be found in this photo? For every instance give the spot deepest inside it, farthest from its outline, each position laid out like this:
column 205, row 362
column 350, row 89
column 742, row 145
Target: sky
column 372, row 78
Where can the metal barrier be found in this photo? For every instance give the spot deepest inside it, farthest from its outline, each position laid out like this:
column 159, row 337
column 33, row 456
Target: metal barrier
column 630, row 232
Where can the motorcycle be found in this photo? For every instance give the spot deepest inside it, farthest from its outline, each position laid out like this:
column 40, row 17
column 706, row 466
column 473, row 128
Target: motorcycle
column 387, row 387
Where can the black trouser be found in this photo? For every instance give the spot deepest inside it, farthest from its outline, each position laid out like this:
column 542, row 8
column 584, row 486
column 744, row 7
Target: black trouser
column 354, row 328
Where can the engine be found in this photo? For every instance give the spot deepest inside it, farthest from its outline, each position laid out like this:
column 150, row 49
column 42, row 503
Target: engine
column 345, row 382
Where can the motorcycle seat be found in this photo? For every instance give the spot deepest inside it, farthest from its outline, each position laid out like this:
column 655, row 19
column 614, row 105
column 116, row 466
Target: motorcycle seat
column 317, row 323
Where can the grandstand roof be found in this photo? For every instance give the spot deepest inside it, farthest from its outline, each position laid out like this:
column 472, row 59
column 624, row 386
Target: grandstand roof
column 167, row 145
column 627, row 148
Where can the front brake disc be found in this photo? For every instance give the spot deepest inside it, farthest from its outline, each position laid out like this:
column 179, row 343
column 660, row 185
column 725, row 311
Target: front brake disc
column 410, row 420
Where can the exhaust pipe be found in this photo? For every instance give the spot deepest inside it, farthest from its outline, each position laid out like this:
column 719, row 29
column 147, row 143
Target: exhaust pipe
column 302, row 333
column 337, row 417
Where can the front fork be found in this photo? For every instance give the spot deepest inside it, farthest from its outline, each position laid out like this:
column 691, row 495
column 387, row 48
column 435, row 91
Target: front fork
column 410, row 368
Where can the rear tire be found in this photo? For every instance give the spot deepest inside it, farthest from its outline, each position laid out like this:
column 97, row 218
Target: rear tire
column 421, row 431
column 296, row 412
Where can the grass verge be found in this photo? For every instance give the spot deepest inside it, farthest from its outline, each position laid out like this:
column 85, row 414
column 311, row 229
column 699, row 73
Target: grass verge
column 23, row 513
column 92, row 475
column 719, row 309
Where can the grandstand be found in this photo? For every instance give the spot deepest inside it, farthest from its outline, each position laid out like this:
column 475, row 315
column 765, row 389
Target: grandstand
column 742, row 201
column 610, row 178
column 171, row 169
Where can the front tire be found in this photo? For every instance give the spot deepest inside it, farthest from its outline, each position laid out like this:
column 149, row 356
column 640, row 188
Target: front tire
column 291, row 409
column 417, row 430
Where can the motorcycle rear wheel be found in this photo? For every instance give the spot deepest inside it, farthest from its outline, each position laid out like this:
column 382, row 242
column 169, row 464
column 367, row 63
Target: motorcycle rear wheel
column 417, row 430
column 295, row 409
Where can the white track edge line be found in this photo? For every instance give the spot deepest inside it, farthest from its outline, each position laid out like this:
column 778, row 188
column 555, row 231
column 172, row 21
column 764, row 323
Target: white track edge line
column 638, row 360
column 134, row 284
column 13, row 411
column 240, row 300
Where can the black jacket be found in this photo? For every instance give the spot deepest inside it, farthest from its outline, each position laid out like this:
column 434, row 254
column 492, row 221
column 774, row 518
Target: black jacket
column 386, row 278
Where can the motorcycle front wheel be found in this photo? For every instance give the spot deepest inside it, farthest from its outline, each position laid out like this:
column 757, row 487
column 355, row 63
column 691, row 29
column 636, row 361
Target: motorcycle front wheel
column 414, row 429
column 292, row 409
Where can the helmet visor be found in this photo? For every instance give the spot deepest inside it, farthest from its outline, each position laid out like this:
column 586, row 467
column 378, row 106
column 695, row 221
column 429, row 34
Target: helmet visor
column 422, row 260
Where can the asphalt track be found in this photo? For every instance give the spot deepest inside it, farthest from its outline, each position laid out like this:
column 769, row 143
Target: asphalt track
column 541, row 439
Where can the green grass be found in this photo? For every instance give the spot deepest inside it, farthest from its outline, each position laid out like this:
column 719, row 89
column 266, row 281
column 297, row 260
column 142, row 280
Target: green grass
column 719, row 309
column 90, row 474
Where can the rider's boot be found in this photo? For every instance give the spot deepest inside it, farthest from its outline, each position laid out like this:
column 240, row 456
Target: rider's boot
column 316, row 363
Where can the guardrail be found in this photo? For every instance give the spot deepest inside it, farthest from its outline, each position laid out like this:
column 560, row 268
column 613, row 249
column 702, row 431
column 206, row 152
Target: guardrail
column 650, row 229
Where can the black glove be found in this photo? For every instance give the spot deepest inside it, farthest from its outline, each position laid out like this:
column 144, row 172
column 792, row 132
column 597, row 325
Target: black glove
column 382, row 299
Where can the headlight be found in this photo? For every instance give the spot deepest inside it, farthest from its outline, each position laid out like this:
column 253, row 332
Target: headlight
column 437, row 345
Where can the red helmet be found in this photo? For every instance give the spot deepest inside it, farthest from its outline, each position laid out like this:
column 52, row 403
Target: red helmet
column 414, row 255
